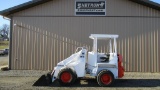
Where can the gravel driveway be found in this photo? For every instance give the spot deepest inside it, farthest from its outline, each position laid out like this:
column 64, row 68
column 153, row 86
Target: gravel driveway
column 18, row 79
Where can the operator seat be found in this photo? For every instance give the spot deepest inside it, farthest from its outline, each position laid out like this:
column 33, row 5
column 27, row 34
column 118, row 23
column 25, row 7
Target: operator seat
column 105, row 59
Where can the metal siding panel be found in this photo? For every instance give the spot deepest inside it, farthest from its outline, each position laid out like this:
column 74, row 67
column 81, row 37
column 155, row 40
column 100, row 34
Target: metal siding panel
column 26, row 57
column 55, row 7
column 23, row 46
column 20, row 49
column 29, row 50
column 41, row 50
column 51, row 53
column 145, row 52
column 13, row 45
column 10, row 44
column 29, row 46
column 14, row 51
column 35, row 49
column 32, row 47
column 133, row 28
column 48, row 51
column 158, row 47
column 155, row 48
column 66, row 8
column 43, row 47
column 56, row 41
column 158, row 43
column 45, row 53
column 152, row 53
column 17, row 49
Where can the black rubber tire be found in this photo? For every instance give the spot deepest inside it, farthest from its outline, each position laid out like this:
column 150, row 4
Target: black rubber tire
column 72, row 73
column 100, row 82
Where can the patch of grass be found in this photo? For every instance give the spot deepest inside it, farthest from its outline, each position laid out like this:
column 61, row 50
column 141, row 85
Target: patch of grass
column 4, row 42
column 4, row 46
column 4, row 63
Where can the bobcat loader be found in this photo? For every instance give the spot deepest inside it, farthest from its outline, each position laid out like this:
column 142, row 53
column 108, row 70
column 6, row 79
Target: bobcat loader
column 105, row 67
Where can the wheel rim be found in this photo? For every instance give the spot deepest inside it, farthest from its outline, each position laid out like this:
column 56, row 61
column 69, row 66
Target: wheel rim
column 66, row 77
column 106, row 79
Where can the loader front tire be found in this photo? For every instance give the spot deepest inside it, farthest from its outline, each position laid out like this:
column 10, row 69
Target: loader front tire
column 66, row 77
column 105, row 78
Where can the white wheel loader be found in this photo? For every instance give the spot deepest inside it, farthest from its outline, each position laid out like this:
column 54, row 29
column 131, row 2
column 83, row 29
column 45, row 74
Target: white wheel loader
column 106, row 67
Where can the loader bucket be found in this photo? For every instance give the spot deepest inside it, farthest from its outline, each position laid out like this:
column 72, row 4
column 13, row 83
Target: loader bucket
column 44, row 80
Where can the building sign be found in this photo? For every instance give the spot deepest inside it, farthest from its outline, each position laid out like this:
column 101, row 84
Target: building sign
column 90, row 8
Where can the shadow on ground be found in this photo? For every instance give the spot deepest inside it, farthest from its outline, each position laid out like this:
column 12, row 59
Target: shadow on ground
column 117, row 83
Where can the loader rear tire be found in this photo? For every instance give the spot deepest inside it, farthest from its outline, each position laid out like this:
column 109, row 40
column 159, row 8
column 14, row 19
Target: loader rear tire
column 66, row 77
column 105, row 78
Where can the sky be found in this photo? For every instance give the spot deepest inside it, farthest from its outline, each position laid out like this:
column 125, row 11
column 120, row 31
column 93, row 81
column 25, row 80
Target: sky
column 5, row 4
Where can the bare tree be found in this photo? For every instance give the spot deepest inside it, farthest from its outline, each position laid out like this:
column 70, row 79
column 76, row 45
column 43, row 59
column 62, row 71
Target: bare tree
column 4, row 31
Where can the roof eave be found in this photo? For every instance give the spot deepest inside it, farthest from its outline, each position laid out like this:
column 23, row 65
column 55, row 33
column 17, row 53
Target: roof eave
column 9, row 11
column 148, row 3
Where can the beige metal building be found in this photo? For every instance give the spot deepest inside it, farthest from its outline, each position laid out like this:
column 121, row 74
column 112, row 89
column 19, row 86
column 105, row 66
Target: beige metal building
column 44, row 32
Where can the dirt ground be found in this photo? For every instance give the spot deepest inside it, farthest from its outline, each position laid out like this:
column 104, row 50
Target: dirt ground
column 24, row 79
